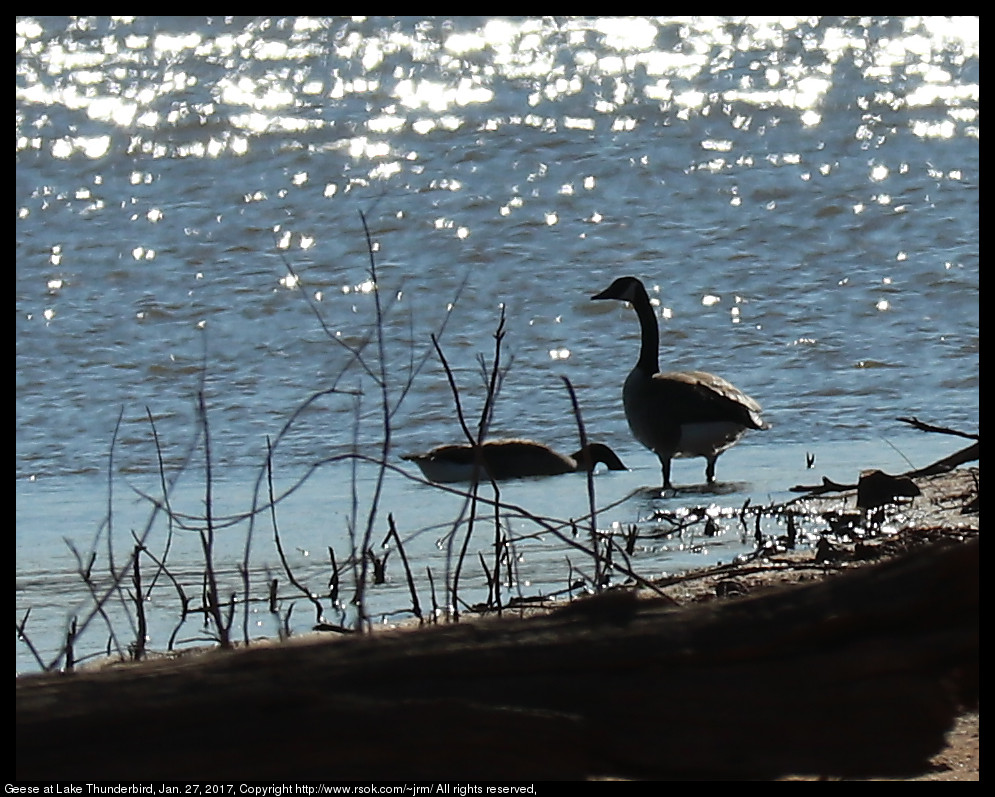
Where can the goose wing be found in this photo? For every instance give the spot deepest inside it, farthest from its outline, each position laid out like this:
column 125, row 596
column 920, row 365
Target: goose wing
column 510, row 459
column 456, row 454
column 703, row 397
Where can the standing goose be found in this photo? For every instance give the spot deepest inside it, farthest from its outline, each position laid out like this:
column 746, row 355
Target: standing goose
column 509, row 459
column 679, row 413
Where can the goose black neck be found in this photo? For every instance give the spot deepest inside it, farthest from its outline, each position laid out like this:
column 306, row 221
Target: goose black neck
column 649, row 350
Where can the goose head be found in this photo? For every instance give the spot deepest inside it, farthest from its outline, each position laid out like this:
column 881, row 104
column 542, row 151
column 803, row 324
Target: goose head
column 625, row 289
column 587, row 458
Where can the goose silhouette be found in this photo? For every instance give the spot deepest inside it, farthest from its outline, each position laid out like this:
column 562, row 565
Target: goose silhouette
column 678, row 413
column 509, row 459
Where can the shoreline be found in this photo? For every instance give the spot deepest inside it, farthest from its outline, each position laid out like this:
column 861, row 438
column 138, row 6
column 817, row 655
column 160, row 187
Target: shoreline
column 938, row 518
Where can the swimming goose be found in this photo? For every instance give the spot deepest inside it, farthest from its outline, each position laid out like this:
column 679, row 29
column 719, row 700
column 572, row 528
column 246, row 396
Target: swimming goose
column 509, row 459
column 680, row 413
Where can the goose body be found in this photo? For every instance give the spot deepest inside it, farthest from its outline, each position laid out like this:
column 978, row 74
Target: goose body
column 678, row 413
column 509, row 459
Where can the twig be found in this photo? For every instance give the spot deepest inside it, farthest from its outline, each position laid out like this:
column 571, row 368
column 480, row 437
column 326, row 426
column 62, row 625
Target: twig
column 356, row 352
column 928, row 427
column 415, row 607
column 969, row 454
column 70, row 649
column 142, row 632
column 385, row 445
column 471, row 498
column 184, row 600
column 213, row 602
column 431, row 588
column 319, row 611
column 592, row 508
column 485, row 416
column 23, row 636
column 333, row 579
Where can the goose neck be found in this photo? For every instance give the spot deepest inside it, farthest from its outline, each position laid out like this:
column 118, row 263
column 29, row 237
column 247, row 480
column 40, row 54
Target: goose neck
column 649, row 350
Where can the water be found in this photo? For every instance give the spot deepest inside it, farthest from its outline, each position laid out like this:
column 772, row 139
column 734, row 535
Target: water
column 801, row 195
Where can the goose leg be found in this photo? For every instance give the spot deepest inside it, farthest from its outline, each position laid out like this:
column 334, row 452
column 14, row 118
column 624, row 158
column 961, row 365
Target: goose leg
column 710, row 468
column 665, row 467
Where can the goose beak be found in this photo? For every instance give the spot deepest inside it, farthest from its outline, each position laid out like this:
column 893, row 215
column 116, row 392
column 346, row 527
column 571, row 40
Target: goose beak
column 602, row 295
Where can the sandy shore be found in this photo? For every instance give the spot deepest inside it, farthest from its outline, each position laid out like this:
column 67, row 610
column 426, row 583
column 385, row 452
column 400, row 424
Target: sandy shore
column 939, row 513
column 961, row 759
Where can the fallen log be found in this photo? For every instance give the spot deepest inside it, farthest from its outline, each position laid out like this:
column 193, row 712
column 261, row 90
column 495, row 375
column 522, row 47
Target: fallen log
column 858, row 675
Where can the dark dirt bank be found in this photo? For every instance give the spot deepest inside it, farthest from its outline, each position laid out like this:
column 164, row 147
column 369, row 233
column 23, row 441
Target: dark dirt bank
column 947, row 511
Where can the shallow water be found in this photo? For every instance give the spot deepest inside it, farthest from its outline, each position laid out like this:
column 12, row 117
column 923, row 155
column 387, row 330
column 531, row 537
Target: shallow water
column 801, row 195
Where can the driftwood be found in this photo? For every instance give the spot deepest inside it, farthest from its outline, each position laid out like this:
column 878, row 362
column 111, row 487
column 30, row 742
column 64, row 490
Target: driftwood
column 969, row 454
column 858, row 675
column 882, row 488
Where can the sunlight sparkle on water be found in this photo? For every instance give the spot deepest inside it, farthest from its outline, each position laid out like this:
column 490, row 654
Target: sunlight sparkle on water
column 467, row 66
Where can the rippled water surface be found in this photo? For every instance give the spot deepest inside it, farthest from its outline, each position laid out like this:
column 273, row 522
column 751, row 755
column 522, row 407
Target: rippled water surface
column 799, row 193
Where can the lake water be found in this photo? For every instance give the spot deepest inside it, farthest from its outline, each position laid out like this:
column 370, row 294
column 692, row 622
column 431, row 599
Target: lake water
column 800, row 194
